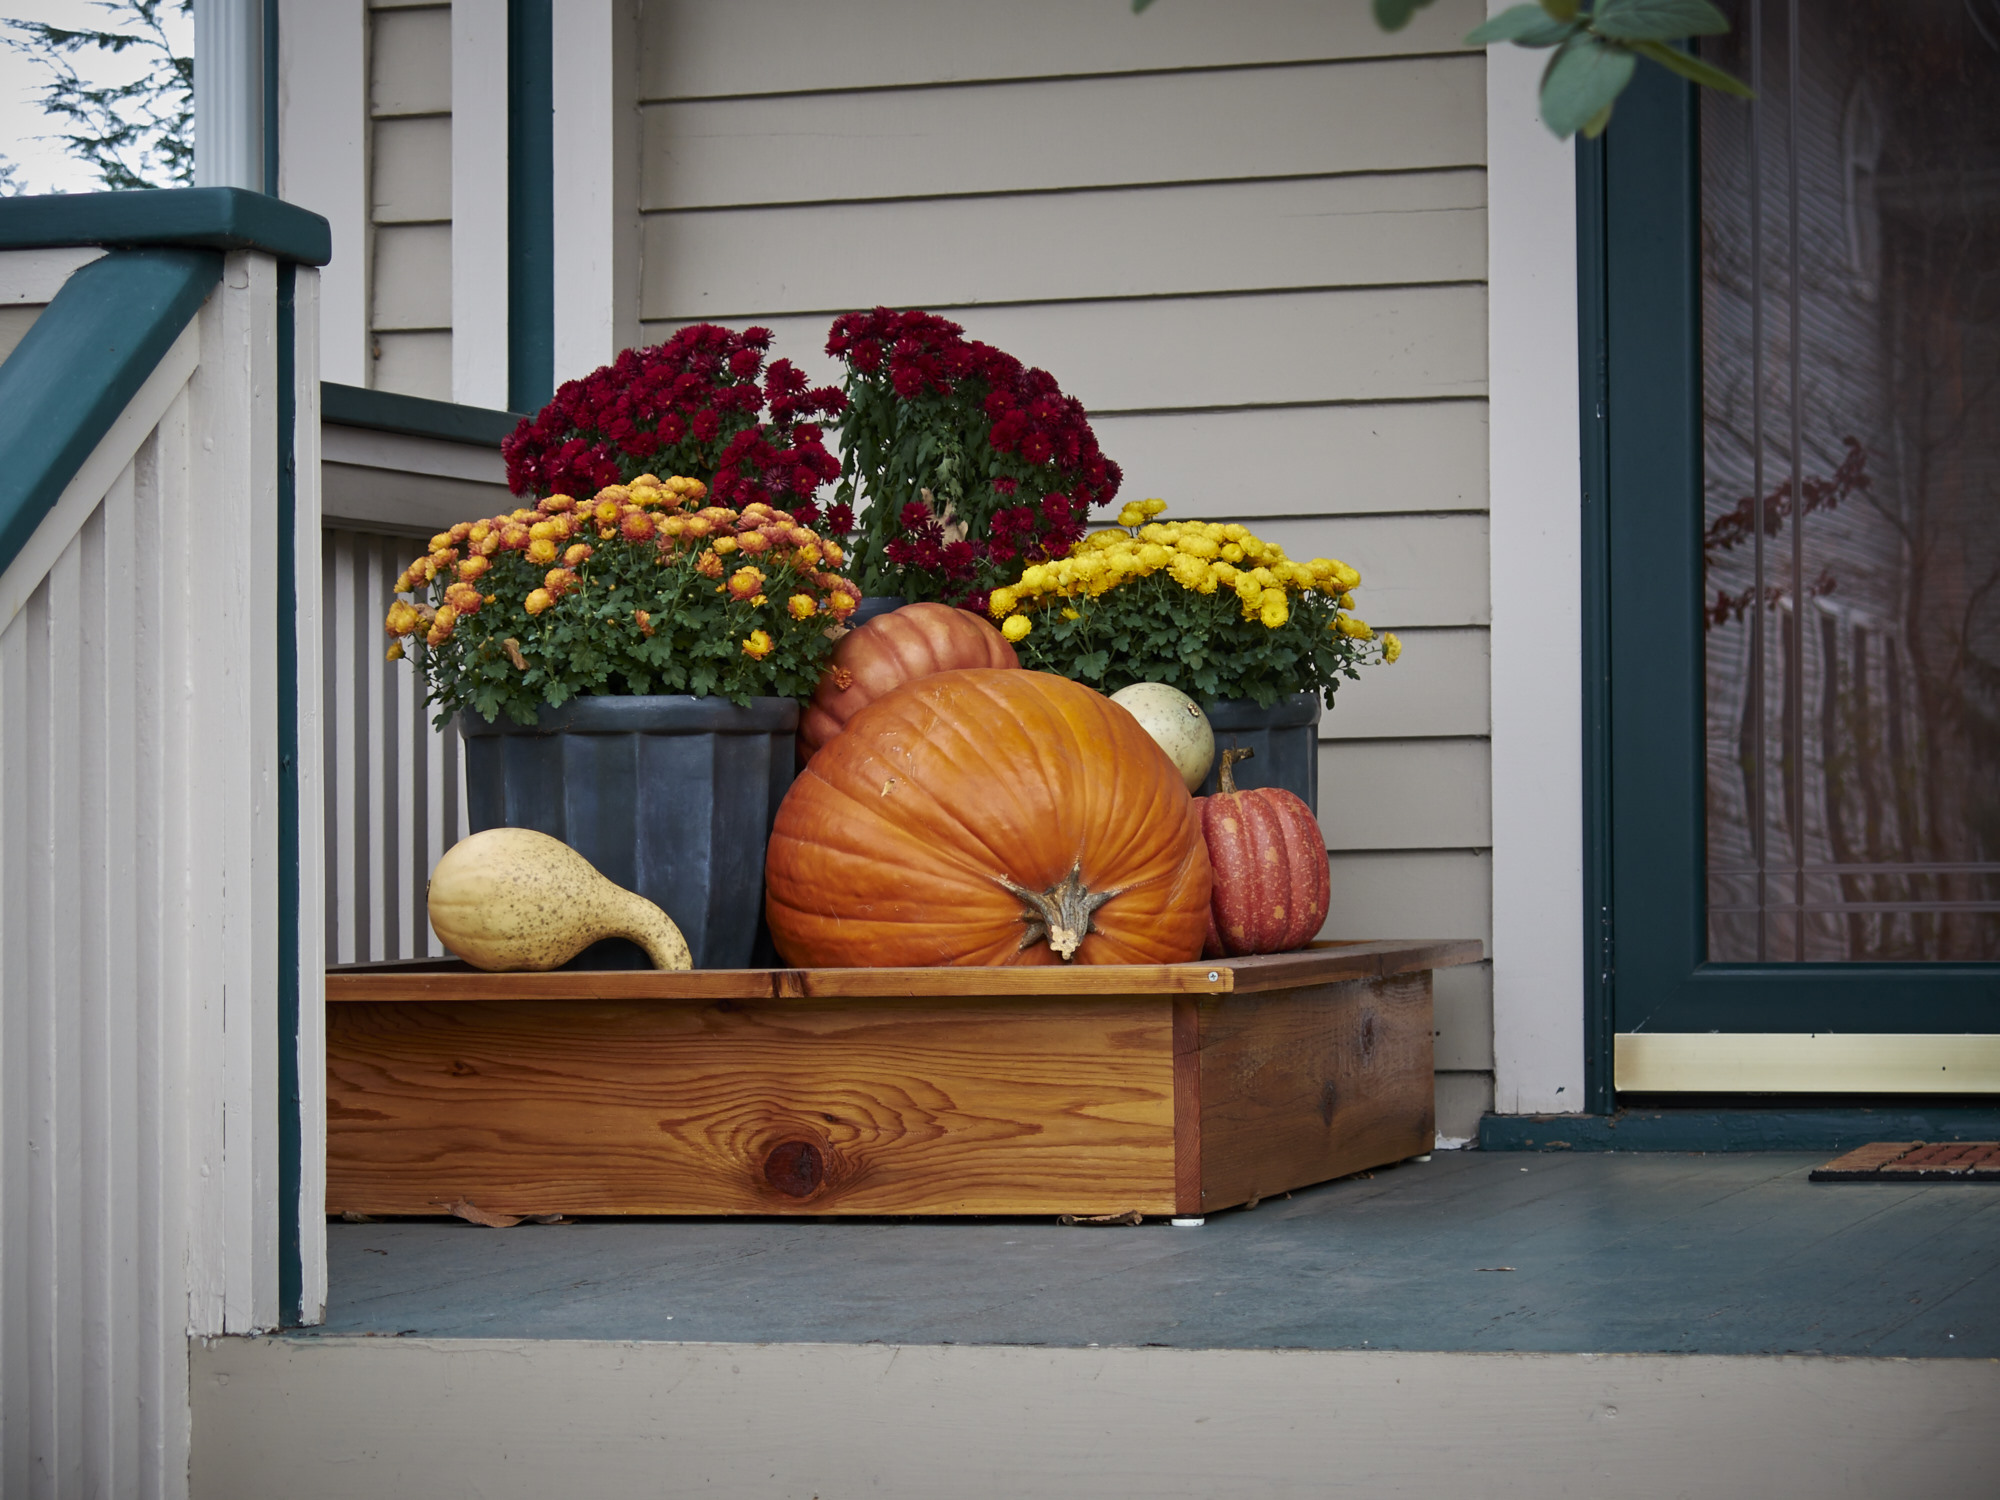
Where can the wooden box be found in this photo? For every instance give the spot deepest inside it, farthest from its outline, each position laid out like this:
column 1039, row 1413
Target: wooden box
column 1174, row 1090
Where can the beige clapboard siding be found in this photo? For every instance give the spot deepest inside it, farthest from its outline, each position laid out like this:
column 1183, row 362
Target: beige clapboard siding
column 1399, row 115
column 1441, row 688
column 409, row 61
column 1305, row 460
column 15, row 321
column 1404, row 794
column 1130, row 242
column 1157, row 354
column 1412, row 893
column 412, row 276
column 1462, row 1017
column 412, row 178
column 699, row 48
column 1415, row 570
column 414, row 364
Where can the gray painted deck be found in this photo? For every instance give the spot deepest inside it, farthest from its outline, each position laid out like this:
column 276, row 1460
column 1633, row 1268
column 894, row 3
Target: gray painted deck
column 1619, row 1253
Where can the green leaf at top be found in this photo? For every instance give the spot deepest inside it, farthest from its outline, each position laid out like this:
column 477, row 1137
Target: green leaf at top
column 1139, row 5
column 1394, row 15
column 1525, row 26
column 1694, row 69
column 1584, row 78
column 1657, row 20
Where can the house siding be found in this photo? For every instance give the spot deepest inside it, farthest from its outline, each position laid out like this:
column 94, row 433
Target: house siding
column 410, row 198
column 1252, row 241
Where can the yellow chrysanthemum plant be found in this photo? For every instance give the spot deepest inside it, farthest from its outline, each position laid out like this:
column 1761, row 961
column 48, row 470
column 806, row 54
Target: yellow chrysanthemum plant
column 639, row 589
column 1207, row 608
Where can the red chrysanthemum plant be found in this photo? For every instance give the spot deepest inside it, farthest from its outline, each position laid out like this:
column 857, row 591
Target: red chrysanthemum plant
column 965, row 465
column 703, row 403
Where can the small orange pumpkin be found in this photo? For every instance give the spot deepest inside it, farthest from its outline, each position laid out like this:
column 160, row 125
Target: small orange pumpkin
column 1271, row 889
column 887, row 652
column 988, row 817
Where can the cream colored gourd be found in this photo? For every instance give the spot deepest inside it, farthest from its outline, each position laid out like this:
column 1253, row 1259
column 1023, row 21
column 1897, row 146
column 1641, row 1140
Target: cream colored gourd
column 1177, row 725
column 511, row 899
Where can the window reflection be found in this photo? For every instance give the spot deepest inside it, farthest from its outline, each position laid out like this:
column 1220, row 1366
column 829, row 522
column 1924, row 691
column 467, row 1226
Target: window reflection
column 1851, row 302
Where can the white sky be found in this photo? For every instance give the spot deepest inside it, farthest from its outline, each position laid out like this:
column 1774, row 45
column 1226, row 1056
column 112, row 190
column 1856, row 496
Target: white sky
column 45, row 167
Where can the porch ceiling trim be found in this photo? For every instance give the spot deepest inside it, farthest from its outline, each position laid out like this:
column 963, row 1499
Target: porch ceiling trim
column 1786, row 1063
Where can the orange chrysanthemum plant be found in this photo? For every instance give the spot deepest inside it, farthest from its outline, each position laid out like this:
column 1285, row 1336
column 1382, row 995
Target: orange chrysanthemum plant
column 640, row 589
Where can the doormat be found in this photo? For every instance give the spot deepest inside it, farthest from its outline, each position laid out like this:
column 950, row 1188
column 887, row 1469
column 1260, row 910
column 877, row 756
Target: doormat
column 1915, row 1161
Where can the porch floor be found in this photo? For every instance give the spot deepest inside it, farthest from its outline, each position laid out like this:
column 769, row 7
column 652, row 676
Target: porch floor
column 1611, row 1252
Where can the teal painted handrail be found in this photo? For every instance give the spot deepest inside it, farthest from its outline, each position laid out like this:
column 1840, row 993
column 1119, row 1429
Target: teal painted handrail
column 204, row 218
column 416, row 416
column 84, row 359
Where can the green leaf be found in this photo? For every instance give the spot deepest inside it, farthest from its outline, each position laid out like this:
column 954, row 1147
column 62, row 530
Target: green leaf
column 1583, row 79
column 1139, row 5
column 1561, row 10
column 1525, row 26
column 1394, row 15
column 1657, row 20
column 1694, row 69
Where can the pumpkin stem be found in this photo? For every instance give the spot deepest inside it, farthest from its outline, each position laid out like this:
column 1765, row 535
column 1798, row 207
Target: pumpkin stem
column 1227, row 785
column 1061, row 916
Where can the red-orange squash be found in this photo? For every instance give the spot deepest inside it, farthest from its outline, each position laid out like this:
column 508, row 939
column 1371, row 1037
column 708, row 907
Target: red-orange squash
column 887, row 652
column 1271, row 888
column 988, row 817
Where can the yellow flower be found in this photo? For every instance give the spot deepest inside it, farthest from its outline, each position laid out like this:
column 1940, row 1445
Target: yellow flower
column 1235, row 533
column 1132, row 513
column 541, row 551
column 403, row 618
column 1016, row 627
column 757, row 645
column 1273, row 611
column 1346, row 600
column 745, row 583
column 1345, row 577
column 1070, row 614
column 473, row 566
column 394, row 653
column 1232, row 553
column 544, row 531
column 441, row 541
column 1248, row 589
column 1391, row 647
column 1205, row 584
column 1197, row 546
column 725, row 544
column 607, row 511
column 1153, row 557
column 1001, row 602
column 1354, row 629
column 1153, row 507
column 802, row 606
column 538, row 601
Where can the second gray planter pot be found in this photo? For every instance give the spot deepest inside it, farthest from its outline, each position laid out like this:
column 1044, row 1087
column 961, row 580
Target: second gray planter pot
column 1285, row 737
column 669, row 796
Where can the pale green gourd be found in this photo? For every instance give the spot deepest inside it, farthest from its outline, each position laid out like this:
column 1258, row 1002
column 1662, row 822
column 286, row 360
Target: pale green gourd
column 511, row 899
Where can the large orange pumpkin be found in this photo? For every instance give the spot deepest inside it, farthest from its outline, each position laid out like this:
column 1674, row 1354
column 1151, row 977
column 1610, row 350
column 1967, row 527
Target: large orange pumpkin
column 988, row 817
column 1271, row 890
column 887, row 652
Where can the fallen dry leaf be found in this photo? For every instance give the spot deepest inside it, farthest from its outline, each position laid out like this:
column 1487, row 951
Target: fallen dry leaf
column 473, row 1214
column 1131, row 1216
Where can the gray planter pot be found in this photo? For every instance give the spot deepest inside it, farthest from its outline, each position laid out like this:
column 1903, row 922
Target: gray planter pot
column 873, row 605
column 1285, row 737
column 669, row 796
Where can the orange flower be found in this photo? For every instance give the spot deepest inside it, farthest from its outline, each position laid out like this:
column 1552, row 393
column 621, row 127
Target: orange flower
column 545, row 531
column 806, row 558
column 556, row 505
column 394, row 653
column 744, row 583
column 538, row 601
column 441, row 626
column 460, row 532
column 541, row 551
column 757, row 644
column 643, row 620
column 441, row 541
column 577, row 555
column 725, row 544
column 606, row 512
column 708, row 564
column 403, row 618
column 559, row 581
column 833, row 553
column 840, row 604
column 636, row 526
column 617, row 494
column 802, row 606
column 754, row 542
column 473, row 567
column 464, row 598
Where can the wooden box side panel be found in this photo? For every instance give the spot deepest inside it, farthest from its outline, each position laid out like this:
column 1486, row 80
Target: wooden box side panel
column 753, row 1107
column 1299, row 1086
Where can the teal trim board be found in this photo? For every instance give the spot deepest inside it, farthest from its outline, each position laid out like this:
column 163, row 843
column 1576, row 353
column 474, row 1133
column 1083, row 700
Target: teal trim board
column 291, row 1135
column 531, row 236
column 1655, row 972
column 1775, row 1128
column 86, row 356
column 208, row 218
column 415, row 416
column 1593, row 530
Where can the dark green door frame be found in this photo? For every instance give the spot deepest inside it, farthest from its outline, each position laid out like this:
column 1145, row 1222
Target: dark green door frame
column 1640, row 288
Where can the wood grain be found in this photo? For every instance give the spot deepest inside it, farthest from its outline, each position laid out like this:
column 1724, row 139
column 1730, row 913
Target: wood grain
column 779, row 1106
column 1302, row 1085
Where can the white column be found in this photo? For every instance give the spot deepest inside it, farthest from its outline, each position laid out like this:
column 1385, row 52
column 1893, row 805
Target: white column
column 1538, row 978
column 323, row 161
column 479, row 202
column 229, row 94
column 594, row 66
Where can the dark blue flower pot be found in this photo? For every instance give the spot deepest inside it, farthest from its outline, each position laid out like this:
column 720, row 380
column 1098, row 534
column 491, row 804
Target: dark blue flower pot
column 669, row 796
column 1285, row 737
column 873, row 605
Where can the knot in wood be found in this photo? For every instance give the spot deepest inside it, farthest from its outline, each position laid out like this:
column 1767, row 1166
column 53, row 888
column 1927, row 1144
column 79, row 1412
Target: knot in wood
column 795, row 1168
